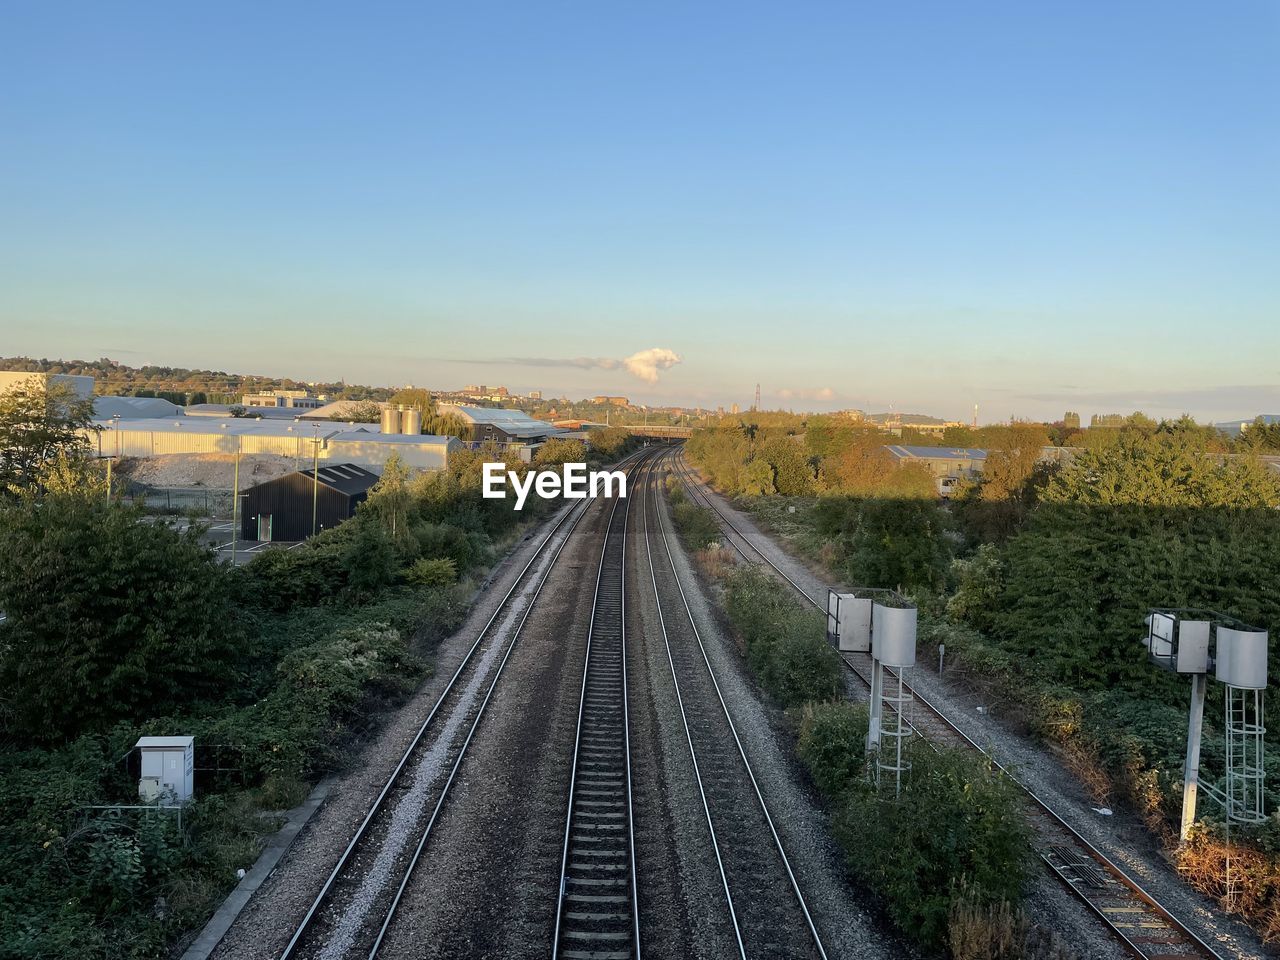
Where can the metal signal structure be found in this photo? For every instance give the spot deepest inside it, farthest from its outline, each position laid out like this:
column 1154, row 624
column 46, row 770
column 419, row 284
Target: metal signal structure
column 882, row 623
column 1191, row 642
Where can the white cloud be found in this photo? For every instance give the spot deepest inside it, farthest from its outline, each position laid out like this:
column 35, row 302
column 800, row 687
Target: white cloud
column 647, row 363
column 818, row 393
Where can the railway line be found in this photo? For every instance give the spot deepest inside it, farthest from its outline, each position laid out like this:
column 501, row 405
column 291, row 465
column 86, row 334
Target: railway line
column 766, row 906
column 597, row 912
column 359, row 900
column 1144, row 927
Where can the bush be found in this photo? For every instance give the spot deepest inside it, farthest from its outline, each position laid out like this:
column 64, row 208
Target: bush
column 436, row 572
column 785, row 644
column 957, row 832
column 831, row 743
column 696, row 525
column 109, row 618
column 979, row 580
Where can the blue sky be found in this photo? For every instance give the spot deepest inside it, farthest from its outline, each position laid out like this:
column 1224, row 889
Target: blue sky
column 1030, row 206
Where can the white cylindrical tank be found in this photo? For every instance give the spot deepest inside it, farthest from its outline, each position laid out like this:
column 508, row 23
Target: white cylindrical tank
column 1242, row 658
column 411, row 421
column 390, row 420
column 893, row 635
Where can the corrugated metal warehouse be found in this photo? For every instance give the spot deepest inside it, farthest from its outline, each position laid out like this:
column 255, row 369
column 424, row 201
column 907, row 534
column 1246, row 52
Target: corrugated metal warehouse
column 503, row 426
column 282, row 509
column 336, row 441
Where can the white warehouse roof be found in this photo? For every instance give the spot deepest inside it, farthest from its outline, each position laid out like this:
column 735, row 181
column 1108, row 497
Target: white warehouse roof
column 134, row 408
column 515, row 422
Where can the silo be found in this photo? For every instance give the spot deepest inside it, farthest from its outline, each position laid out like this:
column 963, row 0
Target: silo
column 390, row 420
column 411, row 421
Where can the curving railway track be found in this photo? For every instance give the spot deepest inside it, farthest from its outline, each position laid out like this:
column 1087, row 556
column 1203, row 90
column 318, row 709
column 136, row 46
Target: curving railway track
column 359, row 900
column 1134, row 917
column 767, row 908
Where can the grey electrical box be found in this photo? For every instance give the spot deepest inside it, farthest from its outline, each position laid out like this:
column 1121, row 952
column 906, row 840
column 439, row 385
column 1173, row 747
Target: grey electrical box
column 849, row 622
column 168, row 769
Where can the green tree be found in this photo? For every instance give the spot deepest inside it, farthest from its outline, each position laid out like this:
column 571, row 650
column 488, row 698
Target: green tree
column 39, row 424
column 390, row 499
column 109, row 618
column 792, row 472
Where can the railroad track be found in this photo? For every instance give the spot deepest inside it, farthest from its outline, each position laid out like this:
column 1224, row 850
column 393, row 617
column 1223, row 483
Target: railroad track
column 1143, row 926
column 356, row 905
column 767, row 908
column 597, row 912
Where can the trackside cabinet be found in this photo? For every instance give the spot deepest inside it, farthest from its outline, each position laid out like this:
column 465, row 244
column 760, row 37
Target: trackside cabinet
column 168, row 769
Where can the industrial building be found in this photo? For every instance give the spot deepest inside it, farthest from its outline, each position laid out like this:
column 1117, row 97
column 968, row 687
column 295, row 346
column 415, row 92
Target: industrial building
column 942, row 461
column 283, row 399
column 82, row 387
column 225, row 410
column 134, row 408
column 303, row 442
column 294, row 506
column 502, row 426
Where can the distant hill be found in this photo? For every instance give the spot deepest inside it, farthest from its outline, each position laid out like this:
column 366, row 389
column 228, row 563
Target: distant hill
column 118, row 379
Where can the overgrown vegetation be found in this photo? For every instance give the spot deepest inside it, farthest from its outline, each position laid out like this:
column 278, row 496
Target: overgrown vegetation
column 1037, row 577
column 117, row 627
column 946, row 860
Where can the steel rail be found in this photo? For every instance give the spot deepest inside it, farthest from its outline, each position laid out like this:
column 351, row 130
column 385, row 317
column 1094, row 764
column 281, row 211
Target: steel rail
column 1043, row 806
column 574, row 512
column 585, row 719
column 742, row 754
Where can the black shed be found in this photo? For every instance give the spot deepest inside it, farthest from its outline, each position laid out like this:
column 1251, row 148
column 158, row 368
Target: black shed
column 281, row 509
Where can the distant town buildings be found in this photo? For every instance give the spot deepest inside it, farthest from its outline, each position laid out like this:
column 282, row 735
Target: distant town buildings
column 611, row 401
column 1071, row 420
column 284, row 399
column 1107, row 420
column 1235, row 428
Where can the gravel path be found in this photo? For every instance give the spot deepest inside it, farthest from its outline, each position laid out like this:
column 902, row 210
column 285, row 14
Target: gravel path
column 1120, row 836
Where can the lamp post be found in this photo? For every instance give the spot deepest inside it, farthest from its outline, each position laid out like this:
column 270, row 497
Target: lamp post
column 115, row 428
column 235, row 501
column 315, row 478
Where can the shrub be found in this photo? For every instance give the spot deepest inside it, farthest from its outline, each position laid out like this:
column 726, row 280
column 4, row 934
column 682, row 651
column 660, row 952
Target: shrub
column 957, row 830
column 979, row 580
column 696, row 525
column 109, row 618
column 831, row 743
column 785, row 644
column 433, row 572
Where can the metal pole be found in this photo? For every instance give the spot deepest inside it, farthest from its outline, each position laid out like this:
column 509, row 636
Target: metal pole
column 1191, row 772
column 235, row 502
column 315, row 481
column 108, row 478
